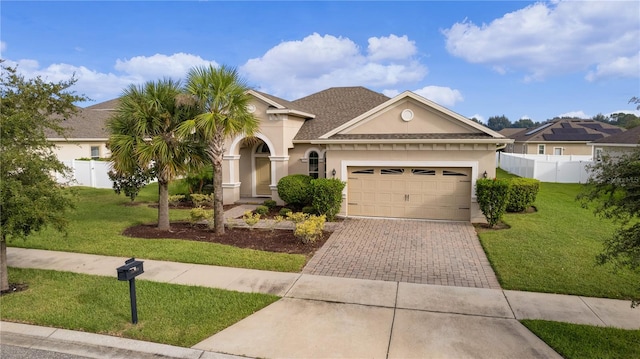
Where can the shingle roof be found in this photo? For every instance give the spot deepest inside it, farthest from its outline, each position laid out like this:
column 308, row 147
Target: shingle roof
column 412, row 136
column 629, row 137
column 89, row 122
column 334, row 107
column 567, row 130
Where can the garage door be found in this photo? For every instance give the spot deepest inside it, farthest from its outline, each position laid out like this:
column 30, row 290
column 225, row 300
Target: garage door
column 409, row 192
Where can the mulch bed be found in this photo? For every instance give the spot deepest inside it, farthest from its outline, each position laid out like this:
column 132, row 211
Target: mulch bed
column 277, row 240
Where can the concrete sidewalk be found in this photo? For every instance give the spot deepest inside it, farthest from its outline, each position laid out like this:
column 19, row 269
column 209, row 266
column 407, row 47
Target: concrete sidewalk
column 322, row 317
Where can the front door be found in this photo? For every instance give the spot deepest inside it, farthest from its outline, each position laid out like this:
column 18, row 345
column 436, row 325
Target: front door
column 263, row 176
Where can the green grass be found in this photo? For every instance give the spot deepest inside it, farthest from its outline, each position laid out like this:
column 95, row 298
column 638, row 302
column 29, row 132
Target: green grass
column 167, row 313
column 553, row 250
column 587, row 342
column 100, row 217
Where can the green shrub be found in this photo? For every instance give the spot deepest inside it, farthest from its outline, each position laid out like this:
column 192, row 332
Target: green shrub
column 284, row 211
column 251, row 219
column 297, row 217
column 295, row 189
column 200, row 181
column 522, row 193
column 175, row 199
column 309, row 210
column 199, row 214
column 269, row 203
column 201, row 200
column 326, row 194
column 493, row 196
column 131, row 183
column 310, row 230
column 262, row 210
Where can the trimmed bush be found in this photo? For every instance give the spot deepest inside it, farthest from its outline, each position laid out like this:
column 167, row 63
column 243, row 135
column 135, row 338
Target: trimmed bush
column 175, row 199
column 326, row 194
column 262, row 210
column 310, row 230
column 201, row 200
column 269, row 203
column 251, row 219
column 199, row 214
column 522, row 193
column 297, row 217
column 285, row 211
column 493, row 196
column 295, row 189
column 308, row 210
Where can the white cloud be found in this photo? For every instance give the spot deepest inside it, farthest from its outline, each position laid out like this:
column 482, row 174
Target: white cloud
column 390, row 92
column 159, row 65
column 101, row 86
column 392, row 47
column 546, row 39
column 620, row 67
column 444, row 96
column 575, row 114
column 293, row 69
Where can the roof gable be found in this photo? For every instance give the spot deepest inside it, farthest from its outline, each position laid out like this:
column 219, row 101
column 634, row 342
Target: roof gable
column 410, row 114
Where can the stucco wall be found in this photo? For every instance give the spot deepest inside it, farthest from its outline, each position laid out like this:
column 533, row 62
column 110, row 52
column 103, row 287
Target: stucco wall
column 568, row 148
column 66, row 151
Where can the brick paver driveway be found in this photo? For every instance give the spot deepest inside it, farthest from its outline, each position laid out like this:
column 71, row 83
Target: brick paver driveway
column 427, row 252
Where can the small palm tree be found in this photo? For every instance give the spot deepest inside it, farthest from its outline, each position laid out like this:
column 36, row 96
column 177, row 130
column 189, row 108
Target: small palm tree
column 222, row 96
column 143, row 134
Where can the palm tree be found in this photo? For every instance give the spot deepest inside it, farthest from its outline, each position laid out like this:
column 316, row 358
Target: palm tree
column 222, row 96
column 142, row 134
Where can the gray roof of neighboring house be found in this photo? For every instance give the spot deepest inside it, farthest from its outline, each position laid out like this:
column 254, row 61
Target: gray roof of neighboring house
column 334, row 107
column 628, row 137
column 567, row 130
column 413, row 136
column 87, row 123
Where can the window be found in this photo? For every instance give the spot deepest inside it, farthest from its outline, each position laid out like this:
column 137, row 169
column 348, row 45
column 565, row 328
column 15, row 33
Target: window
column 314, row 161
column 557, row 151
column 95, row 152
column 262, row 149
column 368, row 171
column 392, row 171
column 541, row 149
column 452, row 173
column 423, row 172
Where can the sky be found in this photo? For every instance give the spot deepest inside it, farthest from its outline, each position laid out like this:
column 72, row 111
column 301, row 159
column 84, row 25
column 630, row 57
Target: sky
column 520, row 59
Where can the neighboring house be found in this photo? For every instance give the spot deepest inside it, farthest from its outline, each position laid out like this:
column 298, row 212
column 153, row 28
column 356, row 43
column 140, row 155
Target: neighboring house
column 617, row 144
column 87, row 136
column 401, row 157
column 561, row 137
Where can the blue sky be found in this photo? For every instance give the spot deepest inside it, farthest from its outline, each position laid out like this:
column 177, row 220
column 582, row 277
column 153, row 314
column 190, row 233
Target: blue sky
column 479, row 58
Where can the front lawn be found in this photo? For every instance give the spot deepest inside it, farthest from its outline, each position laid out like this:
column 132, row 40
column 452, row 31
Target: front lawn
column 167, row 313
column 553, row 250
column 586, row 342
column 100, row 217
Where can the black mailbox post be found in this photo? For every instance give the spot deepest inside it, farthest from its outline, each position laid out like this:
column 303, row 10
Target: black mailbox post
column 129, row 271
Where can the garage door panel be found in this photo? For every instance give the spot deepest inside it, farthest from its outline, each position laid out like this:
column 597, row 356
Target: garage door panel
column 430, row 193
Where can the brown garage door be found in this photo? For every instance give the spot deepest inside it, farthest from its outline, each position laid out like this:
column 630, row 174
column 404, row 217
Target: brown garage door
column 409, row 192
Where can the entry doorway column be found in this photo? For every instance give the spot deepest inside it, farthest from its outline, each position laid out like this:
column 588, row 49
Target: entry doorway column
column 230, row 176
column 279, row 169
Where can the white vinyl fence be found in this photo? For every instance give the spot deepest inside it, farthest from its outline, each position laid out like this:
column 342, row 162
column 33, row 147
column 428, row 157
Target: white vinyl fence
column 87, row 173
column 546, row 168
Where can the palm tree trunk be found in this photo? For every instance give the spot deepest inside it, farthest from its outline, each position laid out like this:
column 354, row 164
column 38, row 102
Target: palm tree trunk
column 163, row 205
column 4, row 274
column 216, row 152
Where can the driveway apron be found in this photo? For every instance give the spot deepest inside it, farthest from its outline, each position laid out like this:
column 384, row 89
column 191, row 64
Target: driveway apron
column 413, row 251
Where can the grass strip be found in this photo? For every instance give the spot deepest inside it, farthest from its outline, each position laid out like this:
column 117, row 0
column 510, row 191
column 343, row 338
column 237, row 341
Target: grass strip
column 167, row 313
column 96, row 225
column 586, row 342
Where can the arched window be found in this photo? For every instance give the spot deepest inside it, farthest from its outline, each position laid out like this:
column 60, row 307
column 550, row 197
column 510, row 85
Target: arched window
column 314, row 161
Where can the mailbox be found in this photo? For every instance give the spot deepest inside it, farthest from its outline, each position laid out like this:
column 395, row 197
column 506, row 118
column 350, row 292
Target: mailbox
column 131, row 269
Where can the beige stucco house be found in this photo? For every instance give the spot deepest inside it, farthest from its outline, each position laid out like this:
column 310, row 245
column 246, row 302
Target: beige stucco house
column 402, row 157
column 617, row 144
column 560, row 137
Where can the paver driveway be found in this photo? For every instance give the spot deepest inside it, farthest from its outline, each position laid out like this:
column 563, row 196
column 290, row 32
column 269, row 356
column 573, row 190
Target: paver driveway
column 414, row 251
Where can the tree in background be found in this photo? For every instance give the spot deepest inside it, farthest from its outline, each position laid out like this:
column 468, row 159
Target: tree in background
column 497, row 123
column 30, row 198
column 222, row 96
column 143, row 134
column 524, row 123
